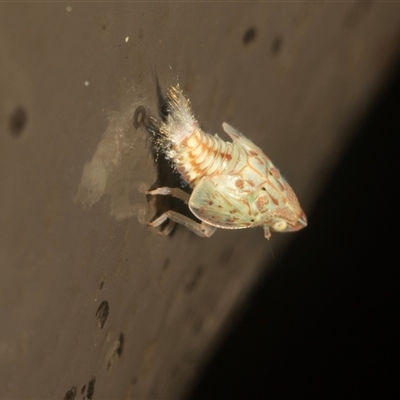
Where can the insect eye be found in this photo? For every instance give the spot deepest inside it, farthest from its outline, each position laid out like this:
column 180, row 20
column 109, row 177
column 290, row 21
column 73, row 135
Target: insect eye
column 279, row 226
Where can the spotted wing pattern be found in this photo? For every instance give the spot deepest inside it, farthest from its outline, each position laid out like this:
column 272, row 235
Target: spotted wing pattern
column 219, row 207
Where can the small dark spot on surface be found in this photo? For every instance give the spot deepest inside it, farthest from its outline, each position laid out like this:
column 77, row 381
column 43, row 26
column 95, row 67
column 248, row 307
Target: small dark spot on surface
column 102, row 313
column 102, row 283
column 249, row 36
column 140, row 34
column 83, row 389
column 276, row 45
column 70, row 395
column 194, row 282
column 166, row 263
column 103, row 27
column 18, row 120
column 90, row 389
column 134, row 380
column 120, row 347
column 226, row 256
column 139, row 117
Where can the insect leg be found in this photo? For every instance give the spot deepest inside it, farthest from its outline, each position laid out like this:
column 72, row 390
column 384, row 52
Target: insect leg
column 267, row 233
column 174, row 192
column 168, row 229
column 203, row 229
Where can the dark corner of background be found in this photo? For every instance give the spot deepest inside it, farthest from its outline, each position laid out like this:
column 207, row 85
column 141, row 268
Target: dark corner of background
column 324, row 321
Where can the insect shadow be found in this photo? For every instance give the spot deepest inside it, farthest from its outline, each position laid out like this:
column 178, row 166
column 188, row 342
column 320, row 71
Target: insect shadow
column 167, row 176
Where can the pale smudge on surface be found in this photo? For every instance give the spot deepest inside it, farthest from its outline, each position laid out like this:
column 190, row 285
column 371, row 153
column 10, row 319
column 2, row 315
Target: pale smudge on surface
column 113, row 168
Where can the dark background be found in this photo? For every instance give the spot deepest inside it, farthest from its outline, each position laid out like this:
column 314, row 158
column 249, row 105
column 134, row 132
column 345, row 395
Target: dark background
column 324, row 322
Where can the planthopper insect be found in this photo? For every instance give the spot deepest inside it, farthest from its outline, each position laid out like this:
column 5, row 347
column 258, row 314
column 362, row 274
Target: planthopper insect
column 235, row 185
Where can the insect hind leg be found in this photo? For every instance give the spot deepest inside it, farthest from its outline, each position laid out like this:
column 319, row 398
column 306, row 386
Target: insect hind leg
column 202, row 230
column 174, row 192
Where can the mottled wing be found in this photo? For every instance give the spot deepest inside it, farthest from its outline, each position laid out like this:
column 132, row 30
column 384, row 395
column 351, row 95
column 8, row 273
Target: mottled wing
column 257, row 159
column 216, row 204
column 240, row 139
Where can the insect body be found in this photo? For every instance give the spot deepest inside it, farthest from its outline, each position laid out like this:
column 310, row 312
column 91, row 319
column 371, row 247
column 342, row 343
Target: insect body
column 235, row 185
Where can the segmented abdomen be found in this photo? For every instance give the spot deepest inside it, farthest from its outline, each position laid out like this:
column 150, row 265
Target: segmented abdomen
column 200, row 154
column 195, row 153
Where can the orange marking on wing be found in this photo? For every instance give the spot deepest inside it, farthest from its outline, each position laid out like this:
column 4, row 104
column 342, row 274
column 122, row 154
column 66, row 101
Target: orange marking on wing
column 275, row 173
column 239, row 183
column 246, row 203
column 261, row 202
column 281, row 186
column 274, row 200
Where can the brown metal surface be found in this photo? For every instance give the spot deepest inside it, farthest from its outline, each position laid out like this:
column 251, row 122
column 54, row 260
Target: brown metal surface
column 93, row 303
